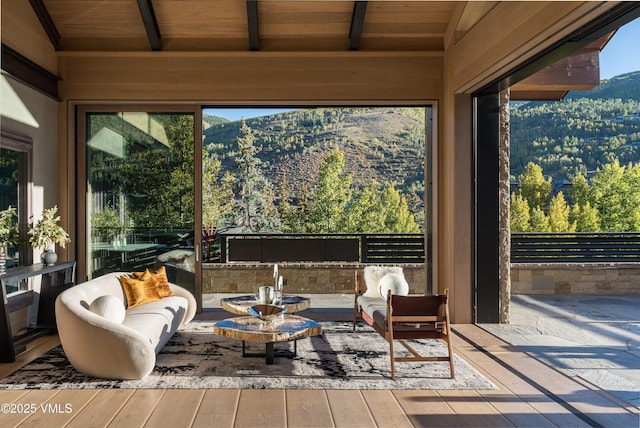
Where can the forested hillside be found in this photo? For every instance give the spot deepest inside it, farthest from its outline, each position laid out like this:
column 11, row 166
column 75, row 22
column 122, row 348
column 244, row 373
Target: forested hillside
column 385, row 144
column 583, row 132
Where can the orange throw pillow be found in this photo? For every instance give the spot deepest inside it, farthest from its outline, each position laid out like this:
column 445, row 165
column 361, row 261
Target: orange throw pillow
column 139, row 291
column 161, row 279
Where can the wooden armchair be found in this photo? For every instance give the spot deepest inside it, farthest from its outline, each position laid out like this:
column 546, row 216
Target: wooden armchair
column 401, row 318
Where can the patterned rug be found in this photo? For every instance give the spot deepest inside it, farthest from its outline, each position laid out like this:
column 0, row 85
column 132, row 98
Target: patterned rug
column 337, row 359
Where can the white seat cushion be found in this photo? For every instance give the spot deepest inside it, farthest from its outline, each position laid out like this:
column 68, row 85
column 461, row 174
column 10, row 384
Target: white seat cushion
column 157, row 320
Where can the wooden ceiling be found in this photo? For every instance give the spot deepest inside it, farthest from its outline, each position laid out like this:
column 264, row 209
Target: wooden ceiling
column 264, row 25
column 290, row 26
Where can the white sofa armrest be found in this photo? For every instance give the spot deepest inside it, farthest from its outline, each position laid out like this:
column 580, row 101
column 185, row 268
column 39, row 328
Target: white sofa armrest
column 99, row 347
column 191, row 307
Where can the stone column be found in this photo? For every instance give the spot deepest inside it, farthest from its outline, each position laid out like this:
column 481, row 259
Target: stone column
column 504, row 196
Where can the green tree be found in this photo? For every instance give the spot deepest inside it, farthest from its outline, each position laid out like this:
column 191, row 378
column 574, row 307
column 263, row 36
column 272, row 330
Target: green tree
column 170, row 205
column 379, row 209
column 416, row 206
column 534, row 187
column 585, row 217
column 398, row 219
column 580, row 192
column 633, row 176
column 559, row 215
column 539, row 221
column 256, row 211
column 616, row 195
column 288, row 214
column 217, row 190
column 331, row 196
column 520, row 213
column 365, row 214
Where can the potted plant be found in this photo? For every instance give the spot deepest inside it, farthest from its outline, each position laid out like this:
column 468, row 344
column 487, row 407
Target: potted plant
column 45, row 233
column 8, row 234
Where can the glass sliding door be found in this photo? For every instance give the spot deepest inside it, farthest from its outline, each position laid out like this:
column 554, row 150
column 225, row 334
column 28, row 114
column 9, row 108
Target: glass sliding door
column 140, row 195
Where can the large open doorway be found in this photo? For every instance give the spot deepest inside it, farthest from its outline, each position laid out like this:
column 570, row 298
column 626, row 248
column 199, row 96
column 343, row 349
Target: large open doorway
column 378, row 154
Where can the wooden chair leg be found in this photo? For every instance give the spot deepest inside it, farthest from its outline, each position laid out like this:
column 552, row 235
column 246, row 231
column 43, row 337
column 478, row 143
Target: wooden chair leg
column 355, row 299
column 453, row 375
column 355, row 317
column 392, row 358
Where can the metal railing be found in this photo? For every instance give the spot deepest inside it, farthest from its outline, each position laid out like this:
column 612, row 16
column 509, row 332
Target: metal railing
column 318, row 248
column 587, row 247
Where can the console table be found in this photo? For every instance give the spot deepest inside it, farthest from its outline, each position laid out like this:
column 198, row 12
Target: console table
column 55, row 279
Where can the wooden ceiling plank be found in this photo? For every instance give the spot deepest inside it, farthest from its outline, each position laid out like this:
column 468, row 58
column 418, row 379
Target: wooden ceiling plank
column 357, row 24
column 472, row 13
column 47, row 23
column 150, row 24
column 252, row 20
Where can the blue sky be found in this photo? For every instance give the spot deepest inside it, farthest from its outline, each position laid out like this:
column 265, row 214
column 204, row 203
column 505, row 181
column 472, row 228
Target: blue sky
column 240, row 112
column 622, row 53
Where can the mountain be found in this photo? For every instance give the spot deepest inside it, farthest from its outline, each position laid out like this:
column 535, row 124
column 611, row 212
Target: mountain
column 625, row 86
column 385, row 144
column 580, row 133
column 208, row 121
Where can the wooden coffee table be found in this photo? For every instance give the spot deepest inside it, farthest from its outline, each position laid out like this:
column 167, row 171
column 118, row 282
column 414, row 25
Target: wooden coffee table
column 282, row 328
column 240, row 304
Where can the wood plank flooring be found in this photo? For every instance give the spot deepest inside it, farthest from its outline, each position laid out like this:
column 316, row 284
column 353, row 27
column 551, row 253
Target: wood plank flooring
column 529, row 394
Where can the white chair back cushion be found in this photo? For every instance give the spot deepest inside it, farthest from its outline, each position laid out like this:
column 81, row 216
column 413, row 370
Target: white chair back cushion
column 373, row 275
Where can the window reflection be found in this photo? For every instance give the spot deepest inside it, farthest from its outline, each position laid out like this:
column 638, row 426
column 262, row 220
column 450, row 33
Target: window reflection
column 15, row 178
column 140, row 194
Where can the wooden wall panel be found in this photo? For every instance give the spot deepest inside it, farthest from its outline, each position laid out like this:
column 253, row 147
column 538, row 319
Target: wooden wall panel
column 463, row 207
column 453, row 183
column 247, row 77
column 22, row 32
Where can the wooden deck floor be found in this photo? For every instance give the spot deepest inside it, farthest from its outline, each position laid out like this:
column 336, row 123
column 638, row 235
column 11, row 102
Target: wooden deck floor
column 530, row 394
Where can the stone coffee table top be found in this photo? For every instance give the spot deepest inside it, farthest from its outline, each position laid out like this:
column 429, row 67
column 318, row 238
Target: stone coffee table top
column 281, row 328
column 240, row 304
column 277, row 328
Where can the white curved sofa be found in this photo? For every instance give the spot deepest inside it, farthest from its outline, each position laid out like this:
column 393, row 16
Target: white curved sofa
column 100, row 347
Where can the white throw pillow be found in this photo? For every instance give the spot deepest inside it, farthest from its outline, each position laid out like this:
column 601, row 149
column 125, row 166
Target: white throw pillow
column 109, row 307
column 394, row 282
column 373, row 275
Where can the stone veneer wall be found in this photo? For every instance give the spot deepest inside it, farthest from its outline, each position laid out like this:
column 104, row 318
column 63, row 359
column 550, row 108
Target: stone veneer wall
column 301, row 278
column 575, row 278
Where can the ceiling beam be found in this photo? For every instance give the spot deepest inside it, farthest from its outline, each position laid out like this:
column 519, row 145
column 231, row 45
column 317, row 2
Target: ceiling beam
column 357, row 23
column 252, row 20
column 150, row 24
column 47, row 23
column 29, row 73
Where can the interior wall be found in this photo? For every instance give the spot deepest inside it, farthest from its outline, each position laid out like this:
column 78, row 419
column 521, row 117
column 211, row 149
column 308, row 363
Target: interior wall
column 29, row 113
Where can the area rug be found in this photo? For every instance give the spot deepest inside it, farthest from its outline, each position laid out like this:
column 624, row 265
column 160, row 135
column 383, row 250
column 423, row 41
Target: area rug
column 338, row 359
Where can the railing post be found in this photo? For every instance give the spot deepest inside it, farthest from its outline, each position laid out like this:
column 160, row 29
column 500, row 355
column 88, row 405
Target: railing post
column 223, row 249
column 363, row 248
